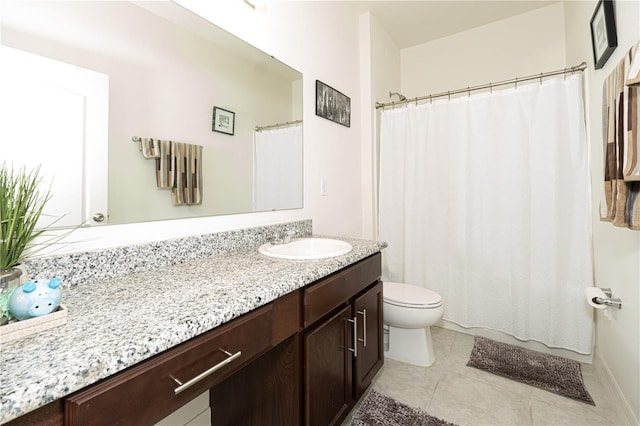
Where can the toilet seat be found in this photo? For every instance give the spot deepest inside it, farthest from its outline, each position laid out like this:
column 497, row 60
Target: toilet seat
column 410, row 296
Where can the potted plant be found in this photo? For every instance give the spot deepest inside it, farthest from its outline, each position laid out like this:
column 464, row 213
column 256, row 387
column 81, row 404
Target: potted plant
column 21, row 205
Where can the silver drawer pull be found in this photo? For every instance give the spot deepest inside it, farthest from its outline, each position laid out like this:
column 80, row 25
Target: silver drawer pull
column 364, row 327
column 202, row 375
column 354, row 321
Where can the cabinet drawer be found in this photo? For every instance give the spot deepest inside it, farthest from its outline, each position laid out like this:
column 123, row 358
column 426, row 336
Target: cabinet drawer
column 146, row 393
column 325, row 295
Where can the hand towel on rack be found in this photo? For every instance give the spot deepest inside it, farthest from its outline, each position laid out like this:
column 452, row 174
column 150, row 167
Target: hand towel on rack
column 187, row 187
column 149, row 147
column 165, row 169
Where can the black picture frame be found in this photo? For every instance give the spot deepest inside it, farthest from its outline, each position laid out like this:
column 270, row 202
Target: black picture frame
column 224, row 121
column 332, row 104
column 603, row 33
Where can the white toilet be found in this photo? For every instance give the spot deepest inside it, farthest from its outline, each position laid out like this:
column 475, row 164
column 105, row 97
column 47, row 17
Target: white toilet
column 410, row 311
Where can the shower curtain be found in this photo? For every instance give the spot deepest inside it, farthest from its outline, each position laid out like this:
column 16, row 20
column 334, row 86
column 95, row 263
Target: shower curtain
column 278, row 169
column 485, row 199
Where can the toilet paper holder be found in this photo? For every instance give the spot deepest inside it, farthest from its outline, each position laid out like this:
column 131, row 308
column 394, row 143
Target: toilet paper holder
column 609, row 300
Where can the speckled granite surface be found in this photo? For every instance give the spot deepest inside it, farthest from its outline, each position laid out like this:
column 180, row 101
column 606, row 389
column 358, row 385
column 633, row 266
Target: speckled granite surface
column 115, row 323
column 98, row 265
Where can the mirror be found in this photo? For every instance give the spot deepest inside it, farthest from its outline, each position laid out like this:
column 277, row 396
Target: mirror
column 125, row 71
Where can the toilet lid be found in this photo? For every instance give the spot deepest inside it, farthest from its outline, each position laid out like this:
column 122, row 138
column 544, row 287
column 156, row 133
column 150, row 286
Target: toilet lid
column 410, row 295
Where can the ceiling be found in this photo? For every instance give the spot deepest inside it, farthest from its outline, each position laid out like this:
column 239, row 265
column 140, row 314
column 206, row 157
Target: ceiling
column 410, row 23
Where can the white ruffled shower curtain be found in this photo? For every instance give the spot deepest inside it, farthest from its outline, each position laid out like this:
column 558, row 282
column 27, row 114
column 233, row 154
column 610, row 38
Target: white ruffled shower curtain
column 278, row 169
column 485, row 199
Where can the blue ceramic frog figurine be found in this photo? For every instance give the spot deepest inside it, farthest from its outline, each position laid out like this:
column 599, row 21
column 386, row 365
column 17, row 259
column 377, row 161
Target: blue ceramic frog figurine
column 35, row 298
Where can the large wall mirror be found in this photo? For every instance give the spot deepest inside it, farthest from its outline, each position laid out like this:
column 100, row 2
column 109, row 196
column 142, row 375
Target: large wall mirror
column 100, row 92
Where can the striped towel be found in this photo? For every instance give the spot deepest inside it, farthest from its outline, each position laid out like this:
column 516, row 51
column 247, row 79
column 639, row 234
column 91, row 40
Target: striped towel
column 621, row 111
column 150, row 148
column 178, row 167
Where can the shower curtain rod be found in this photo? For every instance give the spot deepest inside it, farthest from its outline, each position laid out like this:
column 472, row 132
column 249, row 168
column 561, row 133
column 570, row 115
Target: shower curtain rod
column 565, row 71
column 273, row 126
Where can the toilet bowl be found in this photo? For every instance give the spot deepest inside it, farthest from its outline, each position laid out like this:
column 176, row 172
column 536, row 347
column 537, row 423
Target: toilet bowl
column 409, row 313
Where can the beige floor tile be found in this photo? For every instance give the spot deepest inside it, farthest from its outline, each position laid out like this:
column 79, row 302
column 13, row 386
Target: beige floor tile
column 577, row 413
column 442, row 340
column 467, row 401
column 457, row 362
column 468, row 396
column 592, row 385
column 406, row 383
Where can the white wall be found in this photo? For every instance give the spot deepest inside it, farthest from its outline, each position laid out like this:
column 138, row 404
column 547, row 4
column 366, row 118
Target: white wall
column 380, row 65
column 616, row 250
column 515, row 47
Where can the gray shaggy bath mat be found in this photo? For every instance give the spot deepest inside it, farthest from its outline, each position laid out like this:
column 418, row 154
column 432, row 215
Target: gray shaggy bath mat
column 379, row 410
column 549, row 372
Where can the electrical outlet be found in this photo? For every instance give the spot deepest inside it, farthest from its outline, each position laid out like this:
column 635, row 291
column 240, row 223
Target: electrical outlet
column 323, row 187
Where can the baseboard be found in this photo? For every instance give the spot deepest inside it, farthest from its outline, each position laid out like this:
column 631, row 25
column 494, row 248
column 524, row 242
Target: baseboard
column 620, row 403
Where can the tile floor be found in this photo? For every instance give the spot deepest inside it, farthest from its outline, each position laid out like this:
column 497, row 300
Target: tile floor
column 467, row 396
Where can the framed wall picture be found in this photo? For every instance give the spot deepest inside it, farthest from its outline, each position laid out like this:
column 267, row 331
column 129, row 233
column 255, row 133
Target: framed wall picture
column 332, row 105
column 223, row 121
column 603, row 33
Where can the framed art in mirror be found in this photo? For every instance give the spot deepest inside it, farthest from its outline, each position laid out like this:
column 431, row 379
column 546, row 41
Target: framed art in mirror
column 223, row 121
column 603, row 33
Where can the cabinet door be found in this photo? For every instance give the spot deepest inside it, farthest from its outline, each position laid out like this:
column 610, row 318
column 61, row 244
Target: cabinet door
column 327, row 370
column 368, row 310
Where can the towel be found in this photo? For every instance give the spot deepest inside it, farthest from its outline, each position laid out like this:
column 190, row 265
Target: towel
column 150, row 147
column 622, row 145
column 178, row 167
column 165, row 165
column 188, row 174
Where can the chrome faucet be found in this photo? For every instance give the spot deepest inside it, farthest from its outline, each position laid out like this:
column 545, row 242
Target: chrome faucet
column 283, row 237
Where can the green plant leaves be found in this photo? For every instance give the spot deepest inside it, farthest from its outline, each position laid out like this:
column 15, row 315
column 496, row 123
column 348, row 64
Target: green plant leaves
column 21, row 205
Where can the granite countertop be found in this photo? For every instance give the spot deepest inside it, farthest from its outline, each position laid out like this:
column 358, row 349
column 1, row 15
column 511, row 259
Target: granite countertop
column 116, row 323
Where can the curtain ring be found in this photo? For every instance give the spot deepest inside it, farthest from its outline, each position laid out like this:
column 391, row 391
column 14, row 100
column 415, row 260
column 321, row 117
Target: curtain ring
column 516, row 82
column 468, row 92
column 416, row 101
column 540, row 79
column 430, row 99
column 490, row 87
column 449, row 95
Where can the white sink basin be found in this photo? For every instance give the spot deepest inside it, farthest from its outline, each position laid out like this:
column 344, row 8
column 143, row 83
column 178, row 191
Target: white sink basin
column 307, row 248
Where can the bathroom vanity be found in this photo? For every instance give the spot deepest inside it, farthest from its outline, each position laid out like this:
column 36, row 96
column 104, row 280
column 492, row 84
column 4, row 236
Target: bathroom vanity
column 304, row 348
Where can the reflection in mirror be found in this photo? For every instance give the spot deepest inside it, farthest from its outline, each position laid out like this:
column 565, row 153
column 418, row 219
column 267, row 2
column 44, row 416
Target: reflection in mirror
column 90, row 76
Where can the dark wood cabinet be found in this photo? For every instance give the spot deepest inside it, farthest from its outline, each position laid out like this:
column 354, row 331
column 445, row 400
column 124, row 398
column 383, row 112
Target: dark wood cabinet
column 343, row 340
column 266, row 392
column 328, row 370
column 305, row 358
column 368, row 309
